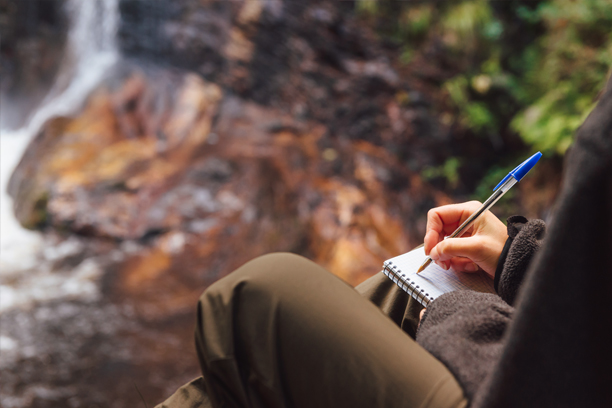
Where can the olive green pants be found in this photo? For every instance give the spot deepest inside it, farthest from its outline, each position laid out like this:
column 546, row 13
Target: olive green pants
column 281, row 331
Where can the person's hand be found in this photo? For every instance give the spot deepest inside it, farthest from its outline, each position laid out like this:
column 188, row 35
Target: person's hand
column 478, row 248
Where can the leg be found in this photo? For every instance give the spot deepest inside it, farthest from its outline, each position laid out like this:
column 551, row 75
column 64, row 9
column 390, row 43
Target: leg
column 283, row 332
column 395, row 303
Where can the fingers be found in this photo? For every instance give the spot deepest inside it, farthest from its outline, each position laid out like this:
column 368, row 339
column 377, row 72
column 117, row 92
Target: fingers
column 421, row 316
column 458, row 264
column 468, row 254
column 463, row 265
column 478, row 249
column 471, row 248
column 442, row 221
column 432, row 238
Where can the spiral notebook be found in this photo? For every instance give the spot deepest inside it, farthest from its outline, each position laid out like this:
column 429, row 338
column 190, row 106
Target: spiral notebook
column 433, row 281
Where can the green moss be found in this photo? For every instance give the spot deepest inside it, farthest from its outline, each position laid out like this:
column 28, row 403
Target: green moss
column 37, row 217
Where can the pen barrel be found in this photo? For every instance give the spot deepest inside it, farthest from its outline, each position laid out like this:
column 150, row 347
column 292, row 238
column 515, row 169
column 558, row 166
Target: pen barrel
column 484, row 207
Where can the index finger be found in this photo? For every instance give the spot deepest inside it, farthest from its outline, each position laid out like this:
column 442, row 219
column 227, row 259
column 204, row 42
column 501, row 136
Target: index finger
column 444, row 220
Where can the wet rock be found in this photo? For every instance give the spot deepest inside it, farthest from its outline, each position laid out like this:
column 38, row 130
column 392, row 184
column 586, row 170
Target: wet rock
column 83, row 353
column 117, row 156
column 145, row 157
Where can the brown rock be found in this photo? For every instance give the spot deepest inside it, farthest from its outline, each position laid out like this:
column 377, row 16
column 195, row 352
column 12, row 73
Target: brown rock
column 117, row 157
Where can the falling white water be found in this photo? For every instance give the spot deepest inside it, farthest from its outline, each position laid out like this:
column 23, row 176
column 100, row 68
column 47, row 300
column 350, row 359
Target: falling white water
column 90, row 52
column 18, row 246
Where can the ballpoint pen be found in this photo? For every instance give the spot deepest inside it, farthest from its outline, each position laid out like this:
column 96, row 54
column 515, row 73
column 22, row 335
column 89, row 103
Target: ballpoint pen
column 502, row 188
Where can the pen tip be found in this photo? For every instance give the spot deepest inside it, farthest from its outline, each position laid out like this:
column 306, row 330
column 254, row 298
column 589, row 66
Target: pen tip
column 425, row 265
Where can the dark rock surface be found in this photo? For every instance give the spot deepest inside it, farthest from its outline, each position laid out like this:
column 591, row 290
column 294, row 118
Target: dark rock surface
column 33, row 34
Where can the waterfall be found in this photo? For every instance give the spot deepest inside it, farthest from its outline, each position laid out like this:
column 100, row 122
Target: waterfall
column 90, row 52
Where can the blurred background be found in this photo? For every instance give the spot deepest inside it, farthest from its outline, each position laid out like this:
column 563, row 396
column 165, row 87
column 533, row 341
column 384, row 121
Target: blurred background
column 150, row 147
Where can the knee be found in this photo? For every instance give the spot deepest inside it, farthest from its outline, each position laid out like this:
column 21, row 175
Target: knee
column 265, row 273
column 275, row 265
column 253, row 292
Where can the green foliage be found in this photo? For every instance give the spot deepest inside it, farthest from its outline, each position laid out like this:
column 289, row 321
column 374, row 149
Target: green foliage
column 457, row 88
column 367, row 7
column 465, row 22
column 449, row 171
column 474, row 114
column 566, row 68
column 550, row 122
column 478, row 117
column 531, row 69
column 416, row 21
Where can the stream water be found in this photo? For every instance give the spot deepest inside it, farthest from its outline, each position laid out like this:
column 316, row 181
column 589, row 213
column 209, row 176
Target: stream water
column 24, row 274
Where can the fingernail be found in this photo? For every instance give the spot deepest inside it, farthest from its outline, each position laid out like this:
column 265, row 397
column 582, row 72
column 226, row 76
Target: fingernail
column 433, row 255
column 444, row 266
column 471, row 267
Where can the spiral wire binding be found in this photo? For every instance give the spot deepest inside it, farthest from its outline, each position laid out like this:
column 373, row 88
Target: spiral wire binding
column 406, row 284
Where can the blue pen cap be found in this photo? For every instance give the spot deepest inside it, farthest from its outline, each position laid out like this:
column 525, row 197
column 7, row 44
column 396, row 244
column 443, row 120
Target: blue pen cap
column 519, row 171
column 525, row 166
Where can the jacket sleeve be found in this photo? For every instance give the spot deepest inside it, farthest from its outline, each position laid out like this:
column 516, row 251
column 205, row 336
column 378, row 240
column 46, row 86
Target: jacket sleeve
column 524, row 240
column 465, row 329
